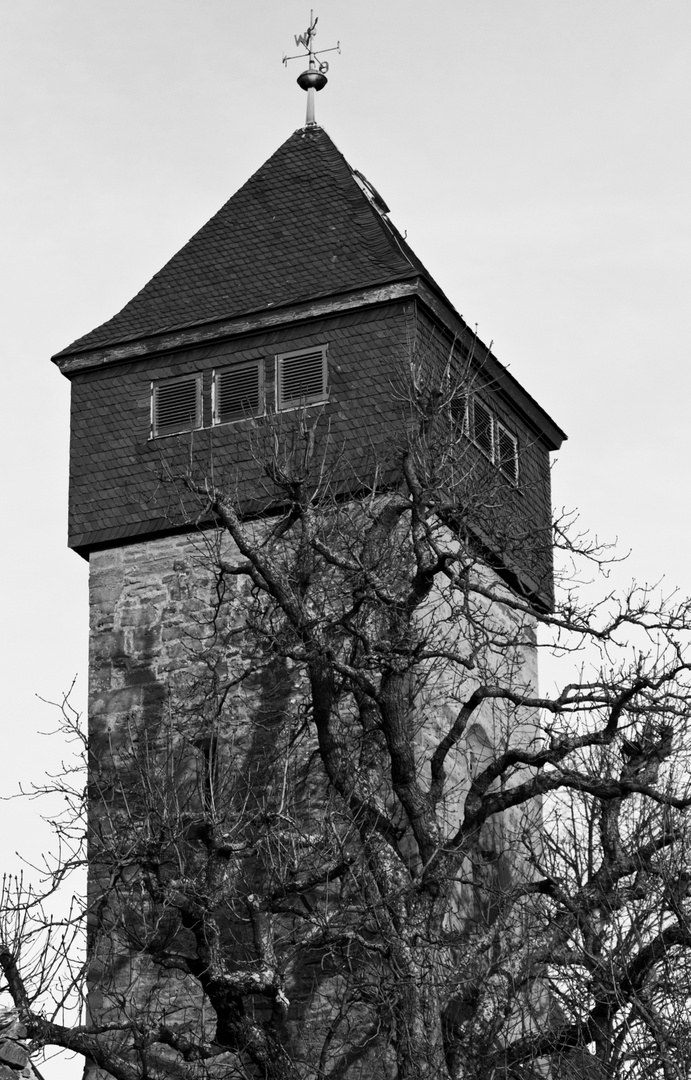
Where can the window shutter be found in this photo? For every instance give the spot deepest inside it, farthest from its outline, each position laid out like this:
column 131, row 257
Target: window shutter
column 176, row 405
column 483, row 428
column 301, row 377
column 507, row 453
column 238, row 393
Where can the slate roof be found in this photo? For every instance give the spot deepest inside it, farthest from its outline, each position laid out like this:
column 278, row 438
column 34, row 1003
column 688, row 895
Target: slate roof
column 299, row 229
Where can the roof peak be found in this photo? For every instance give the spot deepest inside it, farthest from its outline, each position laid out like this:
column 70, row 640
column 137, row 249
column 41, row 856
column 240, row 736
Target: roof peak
column 303, row 226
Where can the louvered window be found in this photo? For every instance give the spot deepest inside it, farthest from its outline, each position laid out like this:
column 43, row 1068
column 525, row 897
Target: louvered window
column 238, row 393
column 507, row 453
column 473, row 418
column 301, row 378
column 483, row 428
column 459, row 413
column 176, row 405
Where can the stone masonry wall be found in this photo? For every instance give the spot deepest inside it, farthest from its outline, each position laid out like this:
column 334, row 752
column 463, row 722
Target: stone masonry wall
column 154, row 647
column 150, row 608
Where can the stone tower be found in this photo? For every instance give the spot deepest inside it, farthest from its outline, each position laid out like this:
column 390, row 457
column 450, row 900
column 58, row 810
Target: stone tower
column 298, row 300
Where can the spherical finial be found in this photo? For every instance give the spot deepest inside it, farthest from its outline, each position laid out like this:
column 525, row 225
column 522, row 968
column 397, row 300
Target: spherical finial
column 315, row 76
column 312, row 79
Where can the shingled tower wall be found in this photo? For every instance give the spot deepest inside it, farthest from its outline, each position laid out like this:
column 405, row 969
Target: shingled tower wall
column 301, row 265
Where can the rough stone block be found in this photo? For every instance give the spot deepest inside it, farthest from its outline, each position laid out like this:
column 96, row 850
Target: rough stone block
column 11, row 1026
column 145, row 641
column 11, row 1053
column 103, row 560
column 119, row 701
column 140, row 675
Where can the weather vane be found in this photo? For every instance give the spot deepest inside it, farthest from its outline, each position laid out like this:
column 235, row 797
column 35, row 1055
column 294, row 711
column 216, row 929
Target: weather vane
column 315, row 76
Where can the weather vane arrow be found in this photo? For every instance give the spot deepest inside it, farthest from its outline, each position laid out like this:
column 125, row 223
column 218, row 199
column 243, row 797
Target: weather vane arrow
column 314, row 78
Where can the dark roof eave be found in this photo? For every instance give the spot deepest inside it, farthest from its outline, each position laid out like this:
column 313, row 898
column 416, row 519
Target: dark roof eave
column 169, row 340
column 70, row 352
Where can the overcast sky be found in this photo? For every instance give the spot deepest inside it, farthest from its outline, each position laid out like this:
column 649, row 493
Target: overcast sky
column 537, row 152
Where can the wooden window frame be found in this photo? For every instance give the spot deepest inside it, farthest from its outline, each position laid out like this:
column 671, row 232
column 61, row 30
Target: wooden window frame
column 316, row 398
column 510, row 475
column 458, row 413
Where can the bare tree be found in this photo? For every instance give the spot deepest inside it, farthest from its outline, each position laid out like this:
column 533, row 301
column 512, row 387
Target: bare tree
column 357, row 841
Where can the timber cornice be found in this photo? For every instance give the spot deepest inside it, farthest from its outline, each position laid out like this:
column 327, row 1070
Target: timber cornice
column 188, row 336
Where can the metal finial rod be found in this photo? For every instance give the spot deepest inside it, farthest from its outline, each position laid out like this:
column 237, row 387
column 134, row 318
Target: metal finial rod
column 315, row 77
column 310, row 116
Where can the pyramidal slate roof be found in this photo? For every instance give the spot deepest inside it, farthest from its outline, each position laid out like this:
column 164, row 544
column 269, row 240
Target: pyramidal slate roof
column 299, row 229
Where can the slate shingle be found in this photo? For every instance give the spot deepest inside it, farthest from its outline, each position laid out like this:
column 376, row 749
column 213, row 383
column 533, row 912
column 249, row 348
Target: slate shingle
column 299, row 229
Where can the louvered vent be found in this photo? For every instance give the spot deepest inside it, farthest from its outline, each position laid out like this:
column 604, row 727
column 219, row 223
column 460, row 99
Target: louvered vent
column 483, row 433
column 238, row 393
column 507, row 453
column 176, row 405
column 301, row 378
column 459, row 413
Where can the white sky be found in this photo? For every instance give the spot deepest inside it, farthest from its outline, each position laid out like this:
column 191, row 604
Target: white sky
column 537, row 152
